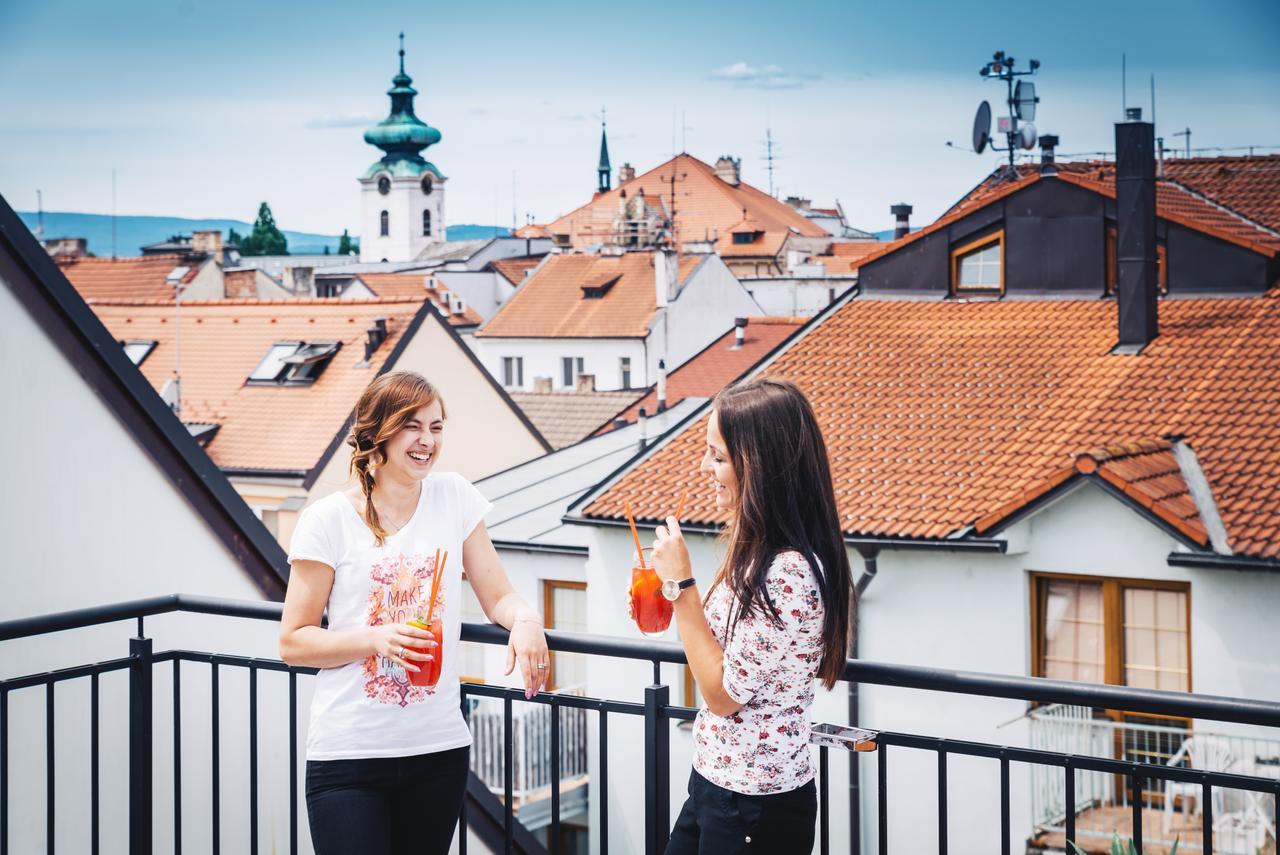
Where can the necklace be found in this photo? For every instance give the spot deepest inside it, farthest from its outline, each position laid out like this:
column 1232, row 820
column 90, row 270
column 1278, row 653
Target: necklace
column 400, row 525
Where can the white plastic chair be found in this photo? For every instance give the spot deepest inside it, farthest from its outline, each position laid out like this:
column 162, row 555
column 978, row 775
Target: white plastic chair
column 1206, row 753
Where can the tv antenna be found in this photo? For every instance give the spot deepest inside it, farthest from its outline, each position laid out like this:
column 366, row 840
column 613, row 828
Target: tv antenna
column 1021, row 98
column 770, row 156
column 1185, row 132
column 40, row 216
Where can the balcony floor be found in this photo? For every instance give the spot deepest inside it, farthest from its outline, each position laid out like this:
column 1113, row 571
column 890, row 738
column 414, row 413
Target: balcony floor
column 1101, row 821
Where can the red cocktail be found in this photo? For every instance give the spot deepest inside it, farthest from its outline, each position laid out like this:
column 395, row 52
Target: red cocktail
column 650, row 610
column 430, row 673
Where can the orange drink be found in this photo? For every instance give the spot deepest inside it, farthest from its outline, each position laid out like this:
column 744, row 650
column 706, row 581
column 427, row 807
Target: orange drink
column 651, row 611
column 430, row 673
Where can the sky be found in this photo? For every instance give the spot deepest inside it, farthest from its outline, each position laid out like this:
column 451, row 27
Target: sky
column 207, row 109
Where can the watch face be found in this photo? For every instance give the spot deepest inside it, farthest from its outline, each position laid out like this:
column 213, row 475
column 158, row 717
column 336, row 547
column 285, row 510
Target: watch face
column 384, row 185
column 671, row 589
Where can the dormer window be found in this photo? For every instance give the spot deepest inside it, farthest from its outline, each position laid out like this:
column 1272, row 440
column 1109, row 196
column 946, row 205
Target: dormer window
column 137, row 351
column 294, row 363
column 978, row 266
column 595, row 289
column 746, row 237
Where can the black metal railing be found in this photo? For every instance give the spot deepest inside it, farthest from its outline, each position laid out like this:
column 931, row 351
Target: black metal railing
column 656, row 712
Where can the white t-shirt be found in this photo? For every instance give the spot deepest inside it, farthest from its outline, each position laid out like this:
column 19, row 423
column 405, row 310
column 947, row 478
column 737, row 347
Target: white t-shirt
column 368, row 708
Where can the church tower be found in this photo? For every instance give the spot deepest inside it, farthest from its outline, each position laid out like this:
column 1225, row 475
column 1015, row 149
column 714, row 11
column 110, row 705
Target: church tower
column 604, row 170
column 402, row 194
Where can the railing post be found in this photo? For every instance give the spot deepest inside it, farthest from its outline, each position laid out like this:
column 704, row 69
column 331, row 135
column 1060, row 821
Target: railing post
column 657, row 769
column 140, row 727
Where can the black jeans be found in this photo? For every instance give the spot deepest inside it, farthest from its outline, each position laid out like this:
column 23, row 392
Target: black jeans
column 716, row 821
column 385, row 805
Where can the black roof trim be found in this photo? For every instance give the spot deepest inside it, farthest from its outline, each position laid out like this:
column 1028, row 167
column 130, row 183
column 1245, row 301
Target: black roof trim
column 42, row 288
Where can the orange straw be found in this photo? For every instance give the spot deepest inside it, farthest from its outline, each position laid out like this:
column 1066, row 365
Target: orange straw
column 626, row 505
column 435, row 583
column 680, row 505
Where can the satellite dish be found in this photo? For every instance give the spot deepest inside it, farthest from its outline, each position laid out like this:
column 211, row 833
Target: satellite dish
column 1025, row 100
column 982, row 128
column 1027, row 136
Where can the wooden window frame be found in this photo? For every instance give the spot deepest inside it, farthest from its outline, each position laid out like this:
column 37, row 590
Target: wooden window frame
column 1113, row 588
column 549, row 587
column 972, row 246
column 1112, row 273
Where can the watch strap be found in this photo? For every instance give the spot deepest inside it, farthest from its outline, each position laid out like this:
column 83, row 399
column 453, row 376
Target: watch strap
column 687, row 583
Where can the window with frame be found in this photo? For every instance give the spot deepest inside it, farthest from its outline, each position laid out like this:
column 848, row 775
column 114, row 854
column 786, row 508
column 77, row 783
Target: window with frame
column 137, row 351
column 426, row 223
column 513, row 371
column 294, row 363
column 564, row 606
column 384, row 224
column 1119, row 631
column 570, row 368
column 1162, row 265
column 978, row 266
column 624, row 371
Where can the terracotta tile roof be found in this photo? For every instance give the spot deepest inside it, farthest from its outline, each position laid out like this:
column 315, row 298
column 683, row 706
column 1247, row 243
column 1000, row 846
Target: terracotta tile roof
column 140, row 278
column 261, row 427
column 848, row 257
column 937, row 414
column 706, row 207
column 415, row 286
column 564, row 418
column 1146, row 472
column 532, row 230
column 514, row 269
column 551, row 303
column 719, row 364
column 1247, row 185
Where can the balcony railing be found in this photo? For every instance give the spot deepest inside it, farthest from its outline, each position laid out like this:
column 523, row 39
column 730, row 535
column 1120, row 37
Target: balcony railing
column 482, row 812
column 531, row 748
column 1170, row 812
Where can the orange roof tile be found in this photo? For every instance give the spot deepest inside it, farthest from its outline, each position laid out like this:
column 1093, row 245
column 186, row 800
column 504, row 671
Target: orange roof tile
column 706, row 207
column 1248, row 185
column 141, row 278
column 416, row 286
column 937, row 414
column 848, row 257
column 532, row 230
column 281, row 428
column 514, row 269
column 718, row 365
column 551, row 302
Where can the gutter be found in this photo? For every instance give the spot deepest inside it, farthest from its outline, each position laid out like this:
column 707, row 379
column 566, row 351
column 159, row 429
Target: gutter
column 1212, row 561
column 549, row 548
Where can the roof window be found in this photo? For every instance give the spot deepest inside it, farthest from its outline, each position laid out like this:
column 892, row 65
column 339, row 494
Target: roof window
column 294, row 362
column 137, row 351
column 979, row 266
column 746, row 237
column 595, row 289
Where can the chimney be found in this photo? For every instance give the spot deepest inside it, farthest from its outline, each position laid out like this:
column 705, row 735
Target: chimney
column 299, row 280
column 586, row 383
column 901, row 220
column 618, row 422
column 240, row 283
column 377, row 334
column 662, row 385
column 1136, row 232
column 799, row 203
column 727, row 169
column 664, row 276
column 626, row 172
column 643, row 421
column 1048, row 165
column 739, row 333
column 542, row 385
column 208, row 242
column 67, row 247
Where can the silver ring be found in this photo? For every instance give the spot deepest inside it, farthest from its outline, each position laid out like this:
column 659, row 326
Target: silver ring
column 542, row 666
column 400, row 655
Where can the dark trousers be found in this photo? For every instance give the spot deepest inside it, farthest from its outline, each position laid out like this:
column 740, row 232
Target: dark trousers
column 385, row 805
column 716, row 821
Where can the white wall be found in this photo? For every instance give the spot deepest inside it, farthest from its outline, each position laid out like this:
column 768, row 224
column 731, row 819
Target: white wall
column 95, row 521
column 542, row 358
column 404, row 205
column 705, row 309
column 795, row 296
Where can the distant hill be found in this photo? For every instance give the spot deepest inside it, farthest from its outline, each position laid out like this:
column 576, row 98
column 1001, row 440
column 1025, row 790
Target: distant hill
column 132, row 233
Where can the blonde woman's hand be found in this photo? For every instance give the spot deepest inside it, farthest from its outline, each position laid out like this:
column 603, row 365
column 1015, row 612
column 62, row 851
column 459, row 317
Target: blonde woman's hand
column 670, row 554
column 393, row 640
column 527, row 645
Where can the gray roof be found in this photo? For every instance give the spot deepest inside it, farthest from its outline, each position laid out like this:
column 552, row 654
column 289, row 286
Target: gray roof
column 568, row 417
column 529, row 499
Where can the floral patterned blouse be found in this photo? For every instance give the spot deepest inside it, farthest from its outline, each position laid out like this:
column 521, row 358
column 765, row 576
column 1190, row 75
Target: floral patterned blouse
column 768, row 668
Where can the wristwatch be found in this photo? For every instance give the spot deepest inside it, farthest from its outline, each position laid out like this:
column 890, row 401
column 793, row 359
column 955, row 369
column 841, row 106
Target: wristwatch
column 671, row 588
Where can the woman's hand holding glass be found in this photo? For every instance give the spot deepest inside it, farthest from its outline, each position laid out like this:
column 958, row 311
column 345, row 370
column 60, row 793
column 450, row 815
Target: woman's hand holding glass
column 395, row 641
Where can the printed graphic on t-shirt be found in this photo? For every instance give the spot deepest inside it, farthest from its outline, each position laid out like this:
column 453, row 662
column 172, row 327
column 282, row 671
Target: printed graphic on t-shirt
column 398, row 594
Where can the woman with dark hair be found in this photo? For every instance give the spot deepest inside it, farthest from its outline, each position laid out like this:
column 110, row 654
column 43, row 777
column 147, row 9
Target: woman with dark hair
column 776, row 617
column 387, row 747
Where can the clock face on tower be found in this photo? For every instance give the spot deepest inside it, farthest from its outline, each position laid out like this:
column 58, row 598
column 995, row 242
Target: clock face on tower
column 384, row 185
column 427, row 185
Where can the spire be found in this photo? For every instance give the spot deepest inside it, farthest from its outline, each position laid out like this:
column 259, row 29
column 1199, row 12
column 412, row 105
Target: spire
column 604, row 170
column 402, row 135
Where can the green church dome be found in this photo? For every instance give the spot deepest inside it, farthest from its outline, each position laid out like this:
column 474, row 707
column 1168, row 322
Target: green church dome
column 402, row 135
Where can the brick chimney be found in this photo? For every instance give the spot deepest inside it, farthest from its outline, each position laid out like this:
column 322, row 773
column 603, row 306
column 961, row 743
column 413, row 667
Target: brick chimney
column 1136, row 233
column 901, row 219
column 208, row 242
column 240, row 283
column 626, row 172
column 542, row 385
column 67, row 248
column 727, row 169
column 586, row 383
column 299, row 280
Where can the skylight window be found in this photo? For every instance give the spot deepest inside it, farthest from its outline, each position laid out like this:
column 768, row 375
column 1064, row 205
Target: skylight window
column 294, row 362
column 137, row 351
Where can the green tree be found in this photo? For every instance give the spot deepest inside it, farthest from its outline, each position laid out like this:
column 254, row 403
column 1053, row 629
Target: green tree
column 266, row 238
column 235, row 238
column 345, row 246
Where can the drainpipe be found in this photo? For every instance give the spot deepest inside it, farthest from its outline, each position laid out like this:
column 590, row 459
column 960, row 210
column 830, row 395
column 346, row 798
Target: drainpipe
column 869, row 569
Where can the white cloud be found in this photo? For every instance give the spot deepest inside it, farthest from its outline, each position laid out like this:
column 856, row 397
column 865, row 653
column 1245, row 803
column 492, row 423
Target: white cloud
column 761, row 77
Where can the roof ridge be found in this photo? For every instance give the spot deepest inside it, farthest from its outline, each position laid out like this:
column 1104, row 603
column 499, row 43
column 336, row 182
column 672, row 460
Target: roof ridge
column 1220, row 206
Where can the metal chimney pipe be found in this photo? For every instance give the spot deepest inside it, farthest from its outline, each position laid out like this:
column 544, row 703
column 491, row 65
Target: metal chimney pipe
column 902, row 219
column 662, row 385
column 1048, row 164
column 643, row 421
column 1136, row 272
column 739, row 333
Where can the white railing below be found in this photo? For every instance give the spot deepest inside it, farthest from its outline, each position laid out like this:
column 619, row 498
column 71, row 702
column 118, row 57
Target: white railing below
column 531, row 745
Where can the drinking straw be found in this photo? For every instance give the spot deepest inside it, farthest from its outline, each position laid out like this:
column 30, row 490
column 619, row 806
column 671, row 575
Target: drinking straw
column 435, row 582
column 626, row 505
column 680, row 504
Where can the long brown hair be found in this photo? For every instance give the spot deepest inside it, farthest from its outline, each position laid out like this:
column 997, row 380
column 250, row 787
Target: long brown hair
column 384, row 408
column 785, row 501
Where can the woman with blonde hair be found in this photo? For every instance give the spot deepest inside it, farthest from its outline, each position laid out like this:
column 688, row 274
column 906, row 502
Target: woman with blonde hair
column 387, row 758
column 775, row 618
